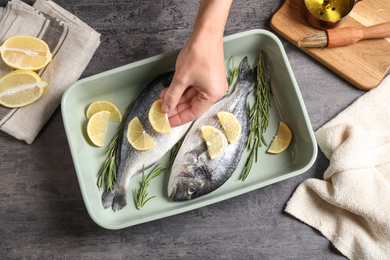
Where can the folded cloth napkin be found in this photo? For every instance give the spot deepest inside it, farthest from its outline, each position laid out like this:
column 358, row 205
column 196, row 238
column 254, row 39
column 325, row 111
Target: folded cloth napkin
column 351, row 206
column 72, row 43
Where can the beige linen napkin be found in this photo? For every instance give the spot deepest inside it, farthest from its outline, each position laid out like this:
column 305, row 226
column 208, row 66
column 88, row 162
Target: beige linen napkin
column 351, row 206
column 72, row 43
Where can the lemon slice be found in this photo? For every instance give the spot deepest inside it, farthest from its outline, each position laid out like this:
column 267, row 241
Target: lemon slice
column 158, row 119
column 230, row 126
column 102, row 105
column 137, row 136
column 25, row 52
column 281, row 140
column 20, row 88
column 97, row 127
column 215, row 140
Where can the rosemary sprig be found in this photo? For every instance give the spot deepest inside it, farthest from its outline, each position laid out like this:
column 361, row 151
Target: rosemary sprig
column 107, row 172
column 259, row 115
column 263, row 80
column 249, row 162
column 141, row 194
column 233, row 72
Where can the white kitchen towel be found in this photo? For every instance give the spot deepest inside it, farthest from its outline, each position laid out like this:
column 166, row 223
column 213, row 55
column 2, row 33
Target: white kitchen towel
column 351, row 206
column 72, row 43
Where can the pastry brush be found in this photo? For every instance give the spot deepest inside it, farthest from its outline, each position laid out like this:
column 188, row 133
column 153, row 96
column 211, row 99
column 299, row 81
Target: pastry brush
column 345, row 36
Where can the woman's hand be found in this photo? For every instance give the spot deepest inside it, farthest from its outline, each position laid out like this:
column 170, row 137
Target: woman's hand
column 200, row 78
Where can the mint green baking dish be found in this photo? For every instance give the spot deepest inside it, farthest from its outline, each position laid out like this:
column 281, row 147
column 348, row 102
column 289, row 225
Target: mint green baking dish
column 122, row 85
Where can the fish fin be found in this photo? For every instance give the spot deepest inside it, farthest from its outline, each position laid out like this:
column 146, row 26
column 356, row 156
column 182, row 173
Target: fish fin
column 115, row 199
column 195, row 153
column 246, row 72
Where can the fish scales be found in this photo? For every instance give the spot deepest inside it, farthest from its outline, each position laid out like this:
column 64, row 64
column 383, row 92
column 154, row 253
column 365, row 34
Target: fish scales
column 193, row 172
column 131, row 161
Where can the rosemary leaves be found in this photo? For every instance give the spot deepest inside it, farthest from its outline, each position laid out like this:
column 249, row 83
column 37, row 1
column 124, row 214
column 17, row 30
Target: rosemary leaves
column 259, row 115
column 107, row 172
column 233, row 73
column 141, row 194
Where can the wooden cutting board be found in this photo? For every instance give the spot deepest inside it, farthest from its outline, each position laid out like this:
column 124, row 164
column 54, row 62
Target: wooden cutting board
column 365, row 63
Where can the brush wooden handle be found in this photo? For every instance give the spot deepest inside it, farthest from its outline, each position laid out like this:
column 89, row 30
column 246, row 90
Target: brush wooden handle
column 348, row 35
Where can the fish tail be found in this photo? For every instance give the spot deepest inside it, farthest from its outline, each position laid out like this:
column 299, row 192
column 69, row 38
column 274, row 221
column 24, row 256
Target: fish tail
column 115, row 199
column 108, row 198
column 247, row 75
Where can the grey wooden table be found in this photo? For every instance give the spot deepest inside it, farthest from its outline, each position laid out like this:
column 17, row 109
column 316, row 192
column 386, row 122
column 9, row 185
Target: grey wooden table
column 42, row 214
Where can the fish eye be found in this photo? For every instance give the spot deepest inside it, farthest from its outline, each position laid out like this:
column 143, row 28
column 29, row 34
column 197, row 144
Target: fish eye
column 191, row 190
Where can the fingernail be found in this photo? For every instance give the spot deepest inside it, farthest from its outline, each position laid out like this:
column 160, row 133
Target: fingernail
column 165, row 107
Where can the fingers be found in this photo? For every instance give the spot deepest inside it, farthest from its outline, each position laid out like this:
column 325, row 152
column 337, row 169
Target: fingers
column 163, row 93
column 187, row 96
column 171, row 96
column 189, row 111
column 191, row 106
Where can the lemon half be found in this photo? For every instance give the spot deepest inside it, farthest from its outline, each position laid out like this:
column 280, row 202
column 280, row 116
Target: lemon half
column 230, row 125
column 20, row 88
column 137, row 136
column 215, row 140
column 97, row 127
column 102, row 105
column 281, row 140
column 25, row 52
column 158, row 119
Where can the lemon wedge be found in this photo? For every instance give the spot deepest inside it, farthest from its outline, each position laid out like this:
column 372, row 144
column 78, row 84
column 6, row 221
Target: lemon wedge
column 281, row 140
column 102, row 105
column 215, row 140
column 230, row 125
column 158, row 119
column 20, row 88
column 97, row 127
column 137, row 136
column 25, row 52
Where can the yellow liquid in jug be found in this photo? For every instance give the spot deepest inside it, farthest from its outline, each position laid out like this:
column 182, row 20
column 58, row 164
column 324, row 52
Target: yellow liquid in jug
column 329, row 10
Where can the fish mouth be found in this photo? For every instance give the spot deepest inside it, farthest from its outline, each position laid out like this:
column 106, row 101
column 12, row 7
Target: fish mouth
column 172, row 187
column 171, row 190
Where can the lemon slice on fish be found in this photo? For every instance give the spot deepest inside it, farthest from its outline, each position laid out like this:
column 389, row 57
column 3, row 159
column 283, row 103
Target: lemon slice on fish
column 102, row 105
column 158, row 119
column 97, row 127
column 137, row 136
column 25, row 52
column 281, row 140
column 215, row 140
column 230, row 125
column 20, row 88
